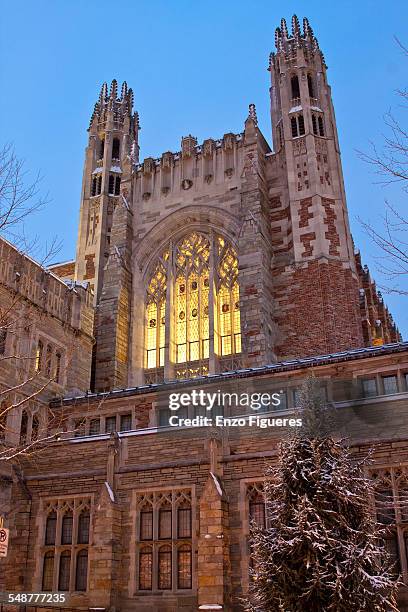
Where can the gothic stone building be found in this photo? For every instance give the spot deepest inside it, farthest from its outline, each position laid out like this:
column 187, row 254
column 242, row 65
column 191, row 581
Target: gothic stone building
column 226, row 265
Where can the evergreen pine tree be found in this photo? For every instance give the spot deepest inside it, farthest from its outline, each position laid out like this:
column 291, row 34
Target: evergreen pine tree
column 322, row 549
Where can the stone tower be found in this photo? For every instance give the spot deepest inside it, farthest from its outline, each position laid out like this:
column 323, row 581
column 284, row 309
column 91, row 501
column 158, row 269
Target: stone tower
column 316, row 291
column 113, row 139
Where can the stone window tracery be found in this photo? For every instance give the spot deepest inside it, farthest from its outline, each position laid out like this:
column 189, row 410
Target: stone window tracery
column 65, row 544
column 201, row 316
column 164, row 540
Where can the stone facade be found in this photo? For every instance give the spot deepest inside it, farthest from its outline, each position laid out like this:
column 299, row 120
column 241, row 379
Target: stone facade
column 214, row 474
column 282, row 211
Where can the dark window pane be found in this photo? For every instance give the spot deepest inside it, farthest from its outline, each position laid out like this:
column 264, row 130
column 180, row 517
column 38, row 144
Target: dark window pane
column 50, row 529
column 81, row 574
column 257, row 512
column 83, row 528
column 66, row 531
column 391, row 546
column 294, row 81
column 111, row 183
column 125, row 422
column 48, row 572
column 369, row 386
column 110, row 424
column 165, row 523
column 184, row 522
column 146, row 525
column 145, row 569
column 115, row 148
column 64, row 569
column 301, row 125
column 321, row 126
column 294, row 128
column 164, row 416
column 385, row 506
column 184, row 567
column 390, row 384
column 3, row 337
column 117, row 185
column 165, row 568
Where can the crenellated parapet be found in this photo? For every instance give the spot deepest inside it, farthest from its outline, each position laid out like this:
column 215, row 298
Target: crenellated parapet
column 194, row 167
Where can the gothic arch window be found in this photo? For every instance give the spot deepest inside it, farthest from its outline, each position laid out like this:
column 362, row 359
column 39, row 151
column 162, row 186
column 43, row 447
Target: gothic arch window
column 39, row 356
column 321, row 126
column 48, row 571
column 184, row 566
column 111, row 189
column 94, row 186
column 51, row 529
column 314, row 124
column 156, row 314
column 81, row 571
column 57, row 371
column 66, row 528
column 164, row 557
column 48, row 360
column 310, row 86
column 191, row 295
column 117, row 185
column 115, row 148
column 201, row 316
column 145, row 568
column 294, row 84
column 101, row 148
column 83, row 527
column 99, row 185
column 64, row 570
column 23, row 427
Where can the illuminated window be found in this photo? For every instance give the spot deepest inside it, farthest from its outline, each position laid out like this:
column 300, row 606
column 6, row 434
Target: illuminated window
column 193, row 312
column 229, row 317
column 156, row 315
column 184, row 567
column 39, row 356
column 48, row 360
column 164, row 582
column 191, row 298
column 145, row 568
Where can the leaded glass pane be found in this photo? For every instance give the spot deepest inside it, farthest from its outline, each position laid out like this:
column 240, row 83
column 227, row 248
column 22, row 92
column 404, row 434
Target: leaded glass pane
column 145, row 569
column 184, row 567
column 66, row 530
column 48, row 572
column 165, row 523
column 184, row 523
column 81, row 574
column 165, row 568
column 64, row 571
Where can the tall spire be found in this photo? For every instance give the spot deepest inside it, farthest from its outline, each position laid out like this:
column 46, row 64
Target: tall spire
column 297, row 38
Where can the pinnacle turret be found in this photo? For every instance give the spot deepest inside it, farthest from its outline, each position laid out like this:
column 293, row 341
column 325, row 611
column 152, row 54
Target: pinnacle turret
column 121, row 106
column 288, row 43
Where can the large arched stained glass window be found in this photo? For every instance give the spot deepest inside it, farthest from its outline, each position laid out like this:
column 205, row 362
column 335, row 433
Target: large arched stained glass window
column 191, row 298
column 229, row 319
column 156, row 315
column 200, row 316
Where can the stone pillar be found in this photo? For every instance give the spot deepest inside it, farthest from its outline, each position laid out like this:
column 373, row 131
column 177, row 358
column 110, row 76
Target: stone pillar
column 105, row 553
column 214, row 568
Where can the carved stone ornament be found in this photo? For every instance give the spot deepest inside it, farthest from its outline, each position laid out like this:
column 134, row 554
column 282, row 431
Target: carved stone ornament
column 208, row 178
column 229, row 172
column 165, row 190
column 228, row 142
column 167, row 160
column 148, row 165
column 186, row 184
column 146, row 195
column 208, row 147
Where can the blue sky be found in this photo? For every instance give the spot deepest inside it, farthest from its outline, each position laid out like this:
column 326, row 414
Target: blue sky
column 194, row 68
